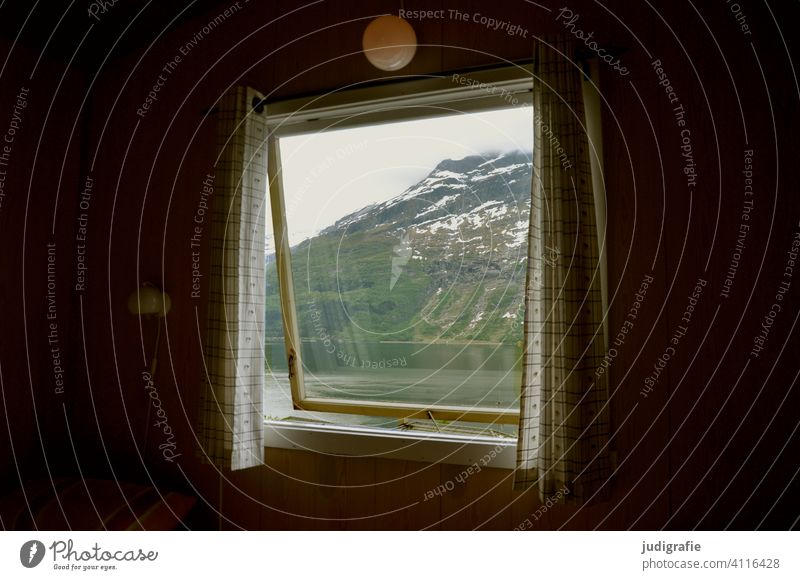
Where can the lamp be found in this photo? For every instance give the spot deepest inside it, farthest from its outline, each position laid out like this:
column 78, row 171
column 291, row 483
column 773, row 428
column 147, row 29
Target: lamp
column 389, row 42
column 149, row 300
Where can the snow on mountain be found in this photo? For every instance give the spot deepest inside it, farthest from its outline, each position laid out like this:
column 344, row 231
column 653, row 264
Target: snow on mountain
column 448, row 252
column 471, row 191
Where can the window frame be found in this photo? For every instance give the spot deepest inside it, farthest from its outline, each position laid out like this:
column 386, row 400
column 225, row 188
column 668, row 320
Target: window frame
column 360, row 441
column 457, row 92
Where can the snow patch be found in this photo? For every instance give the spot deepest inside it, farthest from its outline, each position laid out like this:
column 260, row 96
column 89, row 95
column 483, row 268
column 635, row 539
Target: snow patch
column 491, row 161
column 436, row 205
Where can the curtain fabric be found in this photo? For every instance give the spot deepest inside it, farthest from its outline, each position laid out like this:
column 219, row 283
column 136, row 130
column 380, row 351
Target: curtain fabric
column 564, row 426
column 232, row 413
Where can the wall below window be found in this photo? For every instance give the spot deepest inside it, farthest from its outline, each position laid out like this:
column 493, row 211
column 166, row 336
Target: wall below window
column 303, row 490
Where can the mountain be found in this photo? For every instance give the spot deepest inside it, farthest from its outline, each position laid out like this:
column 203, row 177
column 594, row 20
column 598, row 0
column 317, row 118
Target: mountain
column 445, row 259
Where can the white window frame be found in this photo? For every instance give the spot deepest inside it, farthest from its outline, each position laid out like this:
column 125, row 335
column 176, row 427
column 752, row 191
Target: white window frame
column 350, row 441
column 416, row 99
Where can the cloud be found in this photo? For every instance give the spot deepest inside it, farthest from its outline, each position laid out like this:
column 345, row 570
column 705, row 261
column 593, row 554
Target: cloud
column 331, row 174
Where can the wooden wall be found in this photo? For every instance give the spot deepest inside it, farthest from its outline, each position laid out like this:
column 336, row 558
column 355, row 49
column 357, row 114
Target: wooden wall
column 708, row 440
column 40, row 149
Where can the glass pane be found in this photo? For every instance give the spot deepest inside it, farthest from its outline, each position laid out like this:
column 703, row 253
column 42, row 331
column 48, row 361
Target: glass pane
column 409, row 245
column 277, row 393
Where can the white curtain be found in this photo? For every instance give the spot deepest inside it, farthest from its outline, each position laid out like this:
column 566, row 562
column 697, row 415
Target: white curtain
column 564, row 425
column 232, row 413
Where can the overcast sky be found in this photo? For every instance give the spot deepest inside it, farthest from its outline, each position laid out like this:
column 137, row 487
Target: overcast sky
column 331, row 174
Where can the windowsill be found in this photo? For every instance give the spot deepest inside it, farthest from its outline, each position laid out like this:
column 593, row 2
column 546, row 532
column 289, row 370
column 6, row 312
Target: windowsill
column 391, row 444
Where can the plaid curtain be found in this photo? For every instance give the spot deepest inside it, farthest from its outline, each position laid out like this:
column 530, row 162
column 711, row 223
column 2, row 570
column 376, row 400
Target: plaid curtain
column 564, row 424
column 232, row 413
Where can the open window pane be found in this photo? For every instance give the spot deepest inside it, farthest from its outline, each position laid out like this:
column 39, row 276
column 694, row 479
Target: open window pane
column 409, row 243
column 277, row 391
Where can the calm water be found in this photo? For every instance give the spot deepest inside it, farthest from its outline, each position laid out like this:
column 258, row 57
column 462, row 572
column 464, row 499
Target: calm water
column 473, row 375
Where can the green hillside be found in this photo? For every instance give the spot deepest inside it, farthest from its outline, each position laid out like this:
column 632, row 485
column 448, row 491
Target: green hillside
column 443, row 260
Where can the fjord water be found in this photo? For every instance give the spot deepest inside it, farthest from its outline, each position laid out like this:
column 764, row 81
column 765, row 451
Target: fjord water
column 481, row 375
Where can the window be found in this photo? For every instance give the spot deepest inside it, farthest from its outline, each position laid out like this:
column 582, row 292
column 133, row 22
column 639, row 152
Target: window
column 396, row 260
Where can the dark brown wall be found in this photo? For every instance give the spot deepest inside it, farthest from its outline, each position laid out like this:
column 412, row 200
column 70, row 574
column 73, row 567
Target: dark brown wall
column 709, row 439
column 41, row 178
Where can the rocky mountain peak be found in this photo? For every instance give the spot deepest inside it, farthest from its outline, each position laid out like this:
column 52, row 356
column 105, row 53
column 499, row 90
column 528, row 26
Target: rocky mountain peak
column 443, row 259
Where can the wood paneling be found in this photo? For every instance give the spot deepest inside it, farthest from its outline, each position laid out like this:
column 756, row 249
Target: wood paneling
column 672, row 468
